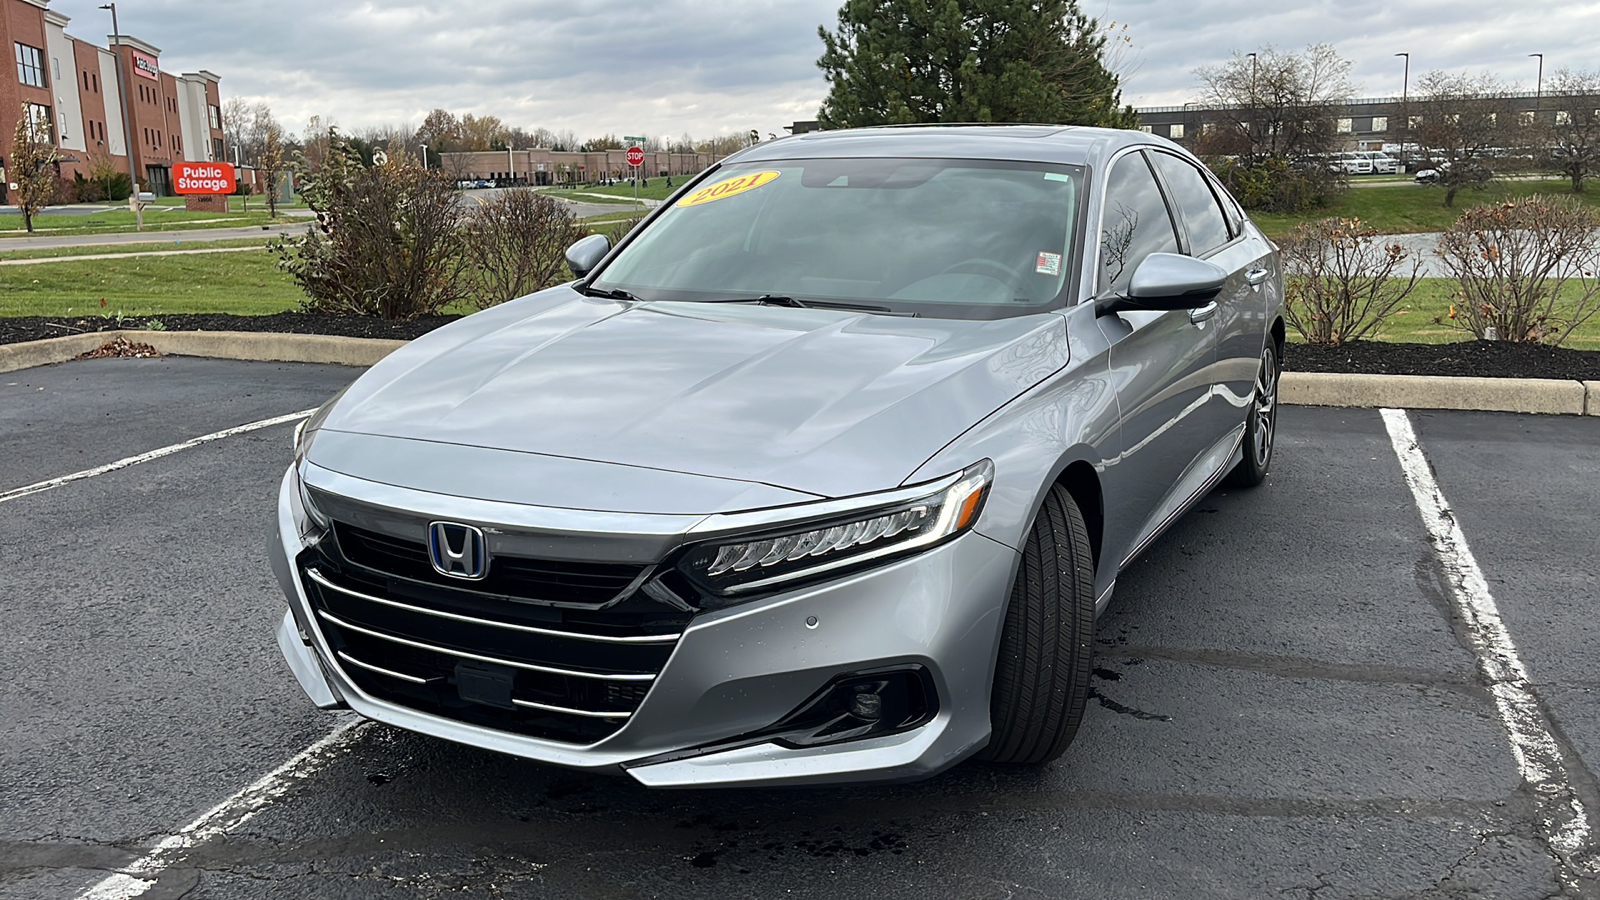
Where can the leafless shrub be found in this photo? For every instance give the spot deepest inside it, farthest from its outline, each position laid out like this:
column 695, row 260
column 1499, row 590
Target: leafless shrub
column 1514, row 261
column 1342, row 283
column 515, row 245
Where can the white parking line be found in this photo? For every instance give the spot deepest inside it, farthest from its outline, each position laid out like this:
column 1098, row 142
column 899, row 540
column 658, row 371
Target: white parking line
column 1563, row 819
column 41, row 486
column 140, row 875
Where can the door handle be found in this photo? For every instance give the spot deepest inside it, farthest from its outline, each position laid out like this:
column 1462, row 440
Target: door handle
column 1196, row 316
column 1254, row 277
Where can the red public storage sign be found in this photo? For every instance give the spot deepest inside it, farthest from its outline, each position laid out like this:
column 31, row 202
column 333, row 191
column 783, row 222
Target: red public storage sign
column 635, row 156
column 203, row 178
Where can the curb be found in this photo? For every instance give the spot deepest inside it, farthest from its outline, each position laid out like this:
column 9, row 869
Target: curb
column 245, row 345
column 1518, row 395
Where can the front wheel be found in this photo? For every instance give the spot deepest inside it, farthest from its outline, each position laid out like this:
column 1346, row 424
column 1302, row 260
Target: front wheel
column 1041, row 680
column 1261, row 427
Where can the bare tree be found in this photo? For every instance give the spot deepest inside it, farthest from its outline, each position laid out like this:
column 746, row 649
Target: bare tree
column 33, row 164
column 1464, row 121
column 1277, row 104
column 271, row 165
column 1571, row 141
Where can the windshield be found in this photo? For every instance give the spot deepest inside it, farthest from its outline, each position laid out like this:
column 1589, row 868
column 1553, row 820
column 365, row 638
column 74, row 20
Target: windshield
column 946, row 238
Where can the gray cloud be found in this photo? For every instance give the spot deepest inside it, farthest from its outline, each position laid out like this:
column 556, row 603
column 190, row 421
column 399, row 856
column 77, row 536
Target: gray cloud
column 721, row 66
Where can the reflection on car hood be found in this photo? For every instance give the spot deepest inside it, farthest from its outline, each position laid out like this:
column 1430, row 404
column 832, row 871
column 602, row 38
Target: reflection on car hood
column 828, row 402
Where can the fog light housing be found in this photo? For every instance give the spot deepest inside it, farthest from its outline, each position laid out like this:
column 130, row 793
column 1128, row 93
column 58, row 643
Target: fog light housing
column 858, row 706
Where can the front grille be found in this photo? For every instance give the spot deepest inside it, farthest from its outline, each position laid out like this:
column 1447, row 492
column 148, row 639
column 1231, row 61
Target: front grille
column 540, row 580
column 570, row 675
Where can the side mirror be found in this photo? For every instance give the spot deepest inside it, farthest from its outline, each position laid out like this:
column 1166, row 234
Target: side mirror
column 1166, row 281
column 584, row 255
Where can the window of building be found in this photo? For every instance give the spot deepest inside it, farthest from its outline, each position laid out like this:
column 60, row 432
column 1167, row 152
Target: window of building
column 95, row 77
column 55, row 69
column 1380, row 123
column 216, row 117
column 86, row 81
column 1413, row 123
column 216, row 146
column 30, row 65
column 1147, row 129
column 1344, row 126
column 61, row 125
column 1563, row 117
column 40, row 119
column 1176, row 132
column 1526, row 117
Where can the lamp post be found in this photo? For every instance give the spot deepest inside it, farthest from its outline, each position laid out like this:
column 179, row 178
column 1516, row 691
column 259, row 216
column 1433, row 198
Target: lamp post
column 1405, row 112
column 127, row 123
column 424, row 157
column 1538, row 91
column 1253, row 113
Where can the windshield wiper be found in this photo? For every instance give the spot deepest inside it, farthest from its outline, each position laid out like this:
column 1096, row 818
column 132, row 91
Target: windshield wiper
column 775, row 300
column 608, row 293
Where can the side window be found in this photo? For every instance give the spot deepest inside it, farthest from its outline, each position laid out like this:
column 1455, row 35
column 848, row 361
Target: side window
column 1134, row 224
column 1202, row 214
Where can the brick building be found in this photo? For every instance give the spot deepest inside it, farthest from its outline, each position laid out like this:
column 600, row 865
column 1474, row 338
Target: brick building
column 68, row 86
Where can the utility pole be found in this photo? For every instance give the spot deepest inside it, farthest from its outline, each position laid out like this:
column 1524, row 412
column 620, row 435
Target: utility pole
column 1538, row 92
column 1405, row 112
column 127, row 123
column 1253, row 113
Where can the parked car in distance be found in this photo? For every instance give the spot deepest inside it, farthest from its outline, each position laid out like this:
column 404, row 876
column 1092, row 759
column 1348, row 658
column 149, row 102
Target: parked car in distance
column 1382, row 163
column 1350, row 163
column 823, row 474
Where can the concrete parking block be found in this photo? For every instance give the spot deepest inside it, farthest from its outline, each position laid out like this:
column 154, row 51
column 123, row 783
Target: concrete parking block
column 1525, row 395
column 1592, row 404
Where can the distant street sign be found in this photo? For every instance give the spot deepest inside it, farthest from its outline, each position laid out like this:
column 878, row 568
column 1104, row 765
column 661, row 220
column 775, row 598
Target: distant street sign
column 633, row 138
column 635, row 156
column 379, row 158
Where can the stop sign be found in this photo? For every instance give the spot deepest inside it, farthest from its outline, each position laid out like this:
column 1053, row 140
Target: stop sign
column 635, row 156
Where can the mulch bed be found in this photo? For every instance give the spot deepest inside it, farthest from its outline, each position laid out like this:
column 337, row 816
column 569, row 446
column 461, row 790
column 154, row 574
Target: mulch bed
column 1483, row 359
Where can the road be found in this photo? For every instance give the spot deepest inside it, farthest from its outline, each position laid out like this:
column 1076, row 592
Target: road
column 193, row 235
column 1288, row 702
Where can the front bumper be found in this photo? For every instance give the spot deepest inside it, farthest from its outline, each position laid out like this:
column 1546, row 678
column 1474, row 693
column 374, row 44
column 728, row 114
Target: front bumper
column 738, row 671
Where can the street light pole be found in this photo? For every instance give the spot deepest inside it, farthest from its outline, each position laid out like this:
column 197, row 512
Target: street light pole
column 1538, row 91
column 1405, row 112
column 424, row 157
column 127, row 123
column 1253, row 113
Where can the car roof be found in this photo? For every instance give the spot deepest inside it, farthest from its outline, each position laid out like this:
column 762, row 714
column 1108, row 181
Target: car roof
column 1072, row 145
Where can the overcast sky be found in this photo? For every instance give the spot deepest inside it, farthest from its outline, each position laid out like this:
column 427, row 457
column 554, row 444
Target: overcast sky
column 720, row 66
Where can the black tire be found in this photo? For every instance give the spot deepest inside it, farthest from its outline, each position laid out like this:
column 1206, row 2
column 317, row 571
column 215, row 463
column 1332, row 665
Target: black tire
column 1260, row 424
column 1041, row 680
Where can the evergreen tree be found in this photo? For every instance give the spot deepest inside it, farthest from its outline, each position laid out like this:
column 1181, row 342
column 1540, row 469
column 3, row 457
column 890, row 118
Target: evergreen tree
column 905, row 61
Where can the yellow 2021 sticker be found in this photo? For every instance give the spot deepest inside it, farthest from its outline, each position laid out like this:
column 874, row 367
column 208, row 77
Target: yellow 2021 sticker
column 728, row 188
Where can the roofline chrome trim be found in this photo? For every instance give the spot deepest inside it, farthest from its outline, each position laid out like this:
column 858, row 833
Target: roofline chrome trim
column 492, row 660
column 571, row 712
column 322, row 580
column 381, row 670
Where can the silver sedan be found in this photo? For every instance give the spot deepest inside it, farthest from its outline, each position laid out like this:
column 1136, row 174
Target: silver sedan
column 821, row 475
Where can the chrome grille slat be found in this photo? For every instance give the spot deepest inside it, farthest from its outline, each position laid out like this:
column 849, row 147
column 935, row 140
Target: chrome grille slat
column 412, row 679
column 545, row 707
column 323, row 580
column 463, row 654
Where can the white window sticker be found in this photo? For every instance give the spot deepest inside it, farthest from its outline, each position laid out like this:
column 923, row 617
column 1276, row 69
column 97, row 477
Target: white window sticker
column 1049, row 264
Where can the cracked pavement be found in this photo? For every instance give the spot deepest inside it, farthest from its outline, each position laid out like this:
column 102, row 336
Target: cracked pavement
column 1284, row 705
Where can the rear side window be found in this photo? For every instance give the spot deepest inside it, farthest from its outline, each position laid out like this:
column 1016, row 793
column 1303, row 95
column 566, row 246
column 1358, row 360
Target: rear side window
column 1135, row 223
column 1202, row 214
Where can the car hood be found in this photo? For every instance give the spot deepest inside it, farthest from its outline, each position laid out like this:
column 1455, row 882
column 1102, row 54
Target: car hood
column 827, row 402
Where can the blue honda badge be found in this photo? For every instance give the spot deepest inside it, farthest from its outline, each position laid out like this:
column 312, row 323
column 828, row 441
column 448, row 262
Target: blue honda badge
column 458, row 550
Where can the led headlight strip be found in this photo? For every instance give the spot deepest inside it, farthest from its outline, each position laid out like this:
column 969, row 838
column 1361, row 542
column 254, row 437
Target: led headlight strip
column 777, row 555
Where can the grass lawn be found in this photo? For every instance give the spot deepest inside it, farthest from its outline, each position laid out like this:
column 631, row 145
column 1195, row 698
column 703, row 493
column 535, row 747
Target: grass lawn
column 242, row 283
column 1411, row 208
column 656, row 190
column 121, row 219
column 1413, row 322
column 98, row 249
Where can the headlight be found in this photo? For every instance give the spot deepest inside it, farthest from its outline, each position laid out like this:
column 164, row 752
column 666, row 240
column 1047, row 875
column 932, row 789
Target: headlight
column 869, row 535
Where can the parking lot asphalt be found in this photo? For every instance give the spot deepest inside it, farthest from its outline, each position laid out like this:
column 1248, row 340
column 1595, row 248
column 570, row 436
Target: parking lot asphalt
column 1288, row 700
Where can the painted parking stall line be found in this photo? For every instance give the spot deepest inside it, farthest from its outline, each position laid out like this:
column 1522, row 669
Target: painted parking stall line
column 1562, row 816
column 140, row 875
column 52, row 483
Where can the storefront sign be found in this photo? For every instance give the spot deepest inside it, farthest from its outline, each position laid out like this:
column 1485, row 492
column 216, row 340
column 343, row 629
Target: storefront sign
column 145, row 64
column 203, row 178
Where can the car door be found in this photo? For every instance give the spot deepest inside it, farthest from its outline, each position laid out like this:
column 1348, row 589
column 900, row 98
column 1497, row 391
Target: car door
column 1238, row 314
column 1160, row 363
